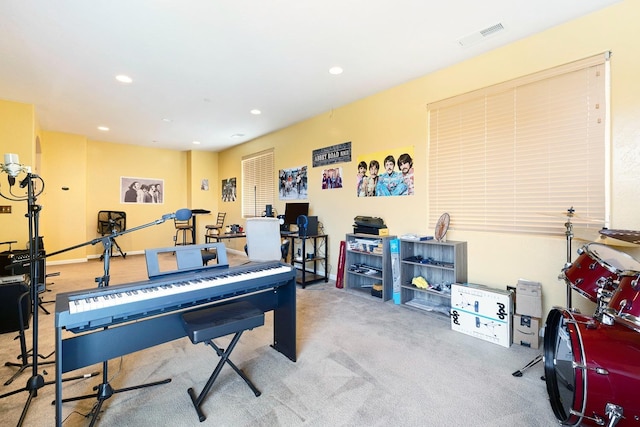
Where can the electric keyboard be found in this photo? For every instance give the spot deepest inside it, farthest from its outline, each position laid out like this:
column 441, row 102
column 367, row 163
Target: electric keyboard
column 122, row 319
column 86, row 310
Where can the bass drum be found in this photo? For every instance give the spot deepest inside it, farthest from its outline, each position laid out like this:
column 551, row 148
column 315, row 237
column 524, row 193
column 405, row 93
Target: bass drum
column 591, row 371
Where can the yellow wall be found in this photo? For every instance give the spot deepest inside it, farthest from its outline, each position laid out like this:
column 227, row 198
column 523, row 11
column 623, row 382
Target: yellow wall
column 398, row 117
column 17, row 136
column 203, row 165
column 393, row 118
column 63, row 219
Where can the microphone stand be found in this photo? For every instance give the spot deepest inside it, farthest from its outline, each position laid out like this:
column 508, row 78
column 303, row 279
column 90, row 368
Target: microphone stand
column 104, row 390
column 569, row 235
column 36, row 381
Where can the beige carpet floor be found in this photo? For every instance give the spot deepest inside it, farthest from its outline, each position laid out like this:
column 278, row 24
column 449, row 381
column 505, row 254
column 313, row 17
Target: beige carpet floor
column 361, row 362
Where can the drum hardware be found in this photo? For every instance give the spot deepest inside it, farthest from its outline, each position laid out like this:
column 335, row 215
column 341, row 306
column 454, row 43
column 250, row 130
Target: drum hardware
column 614, row 412
column 599, row 421
column 620, row 307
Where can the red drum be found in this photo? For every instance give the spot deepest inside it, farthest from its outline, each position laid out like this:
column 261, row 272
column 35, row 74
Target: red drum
column 624, row 305
column 596, row 269
column 591, row 371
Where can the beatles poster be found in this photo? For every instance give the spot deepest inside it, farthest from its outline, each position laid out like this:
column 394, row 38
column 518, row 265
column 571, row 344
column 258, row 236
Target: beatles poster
column 293, row 183
column 229, row 190
column 385, row 173
column 141, row 190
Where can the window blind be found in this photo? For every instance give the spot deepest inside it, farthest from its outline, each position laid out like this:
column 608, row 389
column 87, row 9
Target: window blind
column 258, row 186
column 515, row 156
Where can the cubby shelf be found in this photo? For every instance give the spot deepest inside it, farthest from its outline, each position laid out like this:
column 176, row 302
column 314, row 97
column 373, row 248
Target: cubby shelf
column 367, row 262
column 440, row 263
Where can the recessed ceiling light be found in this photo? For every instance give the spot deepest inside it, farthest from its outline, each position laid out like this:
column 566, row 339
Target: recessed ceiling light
column 335, row 70
column 103, row 128
column 124, row 79
column 166, row 120
column 256, row 112
column 196, row 142
column 237, row 135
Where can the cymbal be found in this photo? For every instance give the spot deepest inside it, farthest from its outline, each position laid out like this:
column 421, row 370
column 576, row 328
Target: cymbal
column 586, row 234
column 628, row 236
column 571, row 216
column 609, row 241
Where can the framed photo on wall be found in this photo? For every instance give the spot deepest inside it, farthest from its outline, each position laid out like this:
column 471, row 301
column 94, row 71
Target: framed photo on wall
column 141, row 190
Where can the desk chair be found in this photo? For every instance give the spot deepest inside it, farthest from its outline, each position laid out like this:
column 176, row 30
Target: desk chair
column 214, row 229
column 206, row 324
column 263, row 240
column 184, row 227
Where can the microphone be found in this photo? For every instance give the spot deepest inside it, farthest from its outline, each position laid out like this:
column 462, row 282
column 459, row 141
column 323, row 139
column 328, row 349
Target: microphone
column 180, row 215
column 13, row 168
column 11, row 165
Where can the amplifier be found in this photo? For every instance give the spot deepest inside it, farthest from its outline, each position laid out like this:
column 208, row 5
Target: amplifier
column 12, row 294
column 21, row 264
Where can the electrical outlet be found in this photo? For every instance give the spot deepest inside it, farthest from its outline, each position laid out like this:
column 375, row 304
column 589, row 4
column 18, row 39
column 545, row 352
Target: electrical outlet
column 5, row 209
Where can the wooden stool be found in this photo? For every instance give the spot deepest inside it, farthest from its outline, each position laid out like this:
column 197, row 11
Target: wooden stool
column 209, row 323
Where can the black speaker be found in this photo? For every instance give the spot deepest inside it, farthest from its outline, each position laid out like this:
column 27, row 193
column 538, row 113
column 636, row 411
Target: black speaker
column 5, row 263
column 312, row 226
column 268, row 211
column 12, row 294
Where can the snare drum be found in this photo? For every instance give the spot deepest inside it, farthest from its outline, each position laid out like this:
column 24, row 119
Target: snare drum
column 624, row 304
column 591, row 371
column 596, row 269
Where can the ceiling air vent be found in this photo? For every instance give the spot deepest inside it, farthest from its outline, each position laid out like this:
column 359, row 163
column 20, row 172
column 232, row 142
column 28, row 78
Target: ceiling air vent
column 478, row 36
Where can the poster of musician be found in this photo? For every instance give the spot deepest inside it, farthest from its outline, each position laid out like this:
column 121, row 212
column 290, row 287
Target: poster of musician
column 229, row 190
column 385, row 173
column 141, row 190
column 293, row 183
column 331, row 178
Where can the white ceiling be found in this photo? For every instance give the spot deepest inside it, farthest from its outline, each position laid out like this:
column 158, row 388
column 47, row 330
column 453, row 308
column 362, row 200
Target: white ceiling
column 200, row 66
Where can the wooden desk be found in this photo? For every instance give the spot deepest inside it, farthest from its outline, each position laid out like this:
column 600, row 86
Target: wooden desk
column 219, row 237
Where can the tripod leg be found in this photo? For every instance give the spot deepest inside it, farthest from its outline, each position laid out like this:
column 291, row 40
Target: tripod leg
column 124, row 255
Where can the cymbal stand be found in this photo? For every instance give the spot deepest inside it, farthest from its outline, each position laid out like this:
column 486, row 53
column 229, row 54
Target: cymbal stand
column 104, row 390
column 36, row 381
column 569, row 235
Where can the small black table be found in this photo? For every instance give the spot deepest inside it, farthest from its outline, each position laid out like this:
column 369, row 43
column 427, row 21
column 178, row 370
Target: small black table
column 195, row 212
column 320, row 255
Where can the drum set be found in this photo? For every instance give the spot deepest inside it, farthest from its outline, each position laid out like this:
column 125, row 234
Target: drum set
column 592, row 363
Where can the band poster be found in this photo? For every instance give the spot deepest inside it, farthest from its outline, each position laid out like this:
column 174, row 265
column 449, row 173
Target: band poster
column 332, row 178
column 141, row 190
column 293, row 183
column 229, row 190
column 386, row 173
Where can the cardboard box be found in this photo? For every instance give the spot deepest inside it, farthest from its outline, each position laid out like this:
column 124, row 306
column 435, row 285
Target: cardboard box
column 526, row 331
column 482, row 312
column 529, row 298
